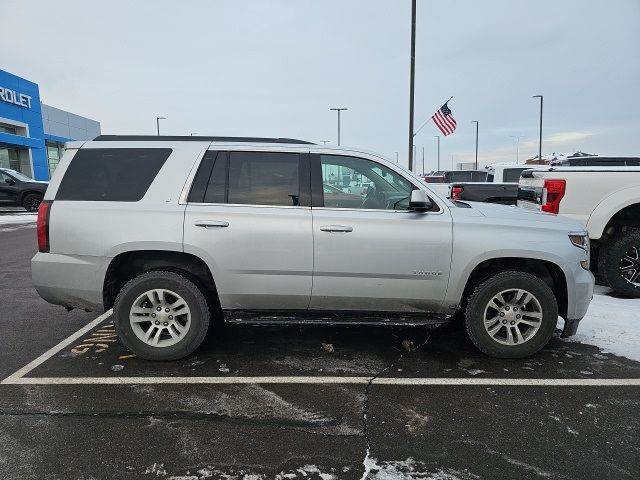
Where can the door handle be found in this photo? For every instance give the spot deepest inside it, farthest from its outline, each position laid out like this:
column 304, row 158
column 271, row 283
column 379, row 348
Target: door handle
column 336, row 228
column 211, row 223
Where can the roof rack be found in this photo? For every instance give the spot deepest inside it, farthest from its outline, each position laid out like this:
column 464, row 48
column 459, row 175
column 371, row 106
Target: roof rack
column 181, row 138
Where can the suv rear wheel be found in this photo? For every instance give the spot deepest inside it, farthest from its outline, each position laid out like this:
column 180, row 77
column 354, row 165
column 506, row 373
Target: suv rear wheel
column 161, row 316
column 511, row 315
column 619, row 263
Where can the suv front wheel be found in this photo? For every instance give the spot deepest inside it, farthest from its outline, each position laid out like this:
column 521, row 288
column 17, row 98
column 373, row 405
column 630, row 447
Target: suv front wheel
column 161, row 316
column 511, row 315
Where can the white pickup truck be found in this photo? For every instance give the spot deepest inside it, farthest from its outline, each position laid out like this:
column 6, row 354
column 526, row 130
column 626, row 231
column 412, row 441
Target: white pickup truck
column 606, row 200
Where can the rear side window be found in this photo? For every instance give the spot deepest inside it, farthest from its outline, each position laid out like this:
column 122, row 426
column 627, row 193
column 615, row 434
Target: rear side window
column 111, row 174
column 512, row 174
column 264, row 178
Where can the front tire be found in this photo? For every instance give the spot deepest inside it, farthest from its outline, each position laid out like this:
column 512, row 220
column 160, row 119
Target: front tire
column 511, row 315
column 31, row 202
column 161, row 316
column 619, row 263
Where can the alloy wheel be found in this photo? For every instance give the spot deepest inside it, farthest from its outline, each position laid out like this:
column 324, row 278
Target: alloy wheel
column 160, row 317
column 513, row 317
column 630, row 266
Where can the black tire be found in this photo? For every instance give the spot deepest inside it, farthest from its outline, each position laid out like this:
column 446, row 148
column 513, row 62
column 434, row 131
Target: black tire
column 482, row 295
column 174, row 282
column 612, row 259
column 31, row 202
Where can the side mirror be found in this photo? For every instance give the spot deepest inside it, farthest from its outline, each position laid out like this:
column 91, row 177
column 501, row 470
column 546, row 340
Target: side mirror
column 420, row 201
column 10, row 181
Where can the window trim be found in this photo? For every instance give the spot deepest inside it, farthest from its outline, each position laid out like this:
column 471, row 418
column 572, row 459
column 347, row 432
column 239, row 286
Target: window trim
column 317, row 192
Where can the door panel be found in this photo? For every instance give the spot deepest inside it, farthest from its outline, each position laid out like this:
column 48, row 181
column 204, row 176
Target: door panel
column 378, row 255
column 249, row 217
column 261, row 257
column 389, row 261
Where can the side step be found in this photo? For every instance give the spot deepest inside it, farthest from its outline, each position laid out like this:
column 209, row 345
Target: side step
column 315, row 317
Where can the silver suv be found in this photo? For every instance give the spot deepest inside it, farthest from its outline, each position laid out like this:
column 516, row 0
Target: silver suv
column 176, row 232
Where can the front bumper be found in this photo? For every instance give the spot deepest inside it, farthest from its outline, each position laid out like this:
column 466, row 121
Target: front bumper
column 580, row 284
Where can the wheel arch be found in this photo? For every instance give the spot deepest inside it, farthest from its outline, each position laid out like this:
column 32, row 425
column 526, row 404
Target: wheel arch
column 615, row 208
column 551, row 273
column 127, row 265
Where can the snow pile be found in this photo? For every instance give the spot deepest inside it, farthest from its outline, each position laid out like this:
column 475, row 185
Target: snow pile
column 18, row 219
column 409, row 469
column 611, row 324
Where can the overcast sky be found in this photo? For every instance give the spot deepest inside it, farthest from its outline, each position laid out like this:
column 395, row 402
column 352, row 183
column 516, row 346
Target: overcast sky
column 274, row 68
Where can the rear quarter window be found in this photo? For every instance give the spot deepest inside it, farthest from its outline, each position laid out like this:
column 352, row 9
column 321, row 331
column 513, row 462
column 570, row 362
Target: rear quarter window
column 111, row 174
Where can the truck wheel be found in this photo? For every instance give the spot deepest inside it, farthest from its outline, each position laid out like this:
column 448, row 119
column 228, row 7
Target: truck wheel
column 31, row 202
column 161, row 316
column 619, row 263
column 511, row 315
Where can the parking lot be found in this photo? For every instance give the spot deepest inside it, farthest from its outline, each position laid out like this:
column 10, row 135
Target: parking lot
column 313, row 402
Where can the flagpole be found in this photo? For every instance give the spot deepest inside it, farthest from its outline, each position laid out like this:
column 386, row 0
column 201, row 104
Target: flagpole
column 412, row 81
column 430, row 118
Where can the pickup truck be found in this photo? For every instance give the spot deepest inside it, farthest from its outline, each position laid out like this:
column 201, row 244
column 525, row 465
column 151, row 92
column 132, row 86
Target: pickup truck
column 501, row 186
column 606, row 200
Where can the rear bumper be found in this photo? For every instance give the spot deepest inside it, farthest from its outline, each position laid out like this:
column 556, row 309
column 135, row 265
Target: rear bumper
column 69, row 280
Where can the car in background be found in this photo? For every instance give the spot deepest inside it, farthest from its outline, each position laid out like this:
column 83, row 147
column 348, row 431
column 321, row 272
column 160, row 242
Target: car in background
column 505, row 173
column 341, row 199
column 606, row 201
column 18, row 190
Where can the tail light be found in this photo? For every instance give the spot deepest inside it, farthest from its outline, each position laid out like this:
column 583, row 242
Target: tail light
column 552, row 194
column 456, row 192
column 44, row 211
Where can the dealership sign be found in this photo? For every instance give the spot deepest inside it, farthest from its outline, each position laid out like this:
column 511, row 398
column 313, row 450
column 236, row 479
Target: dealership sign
column 11, row 96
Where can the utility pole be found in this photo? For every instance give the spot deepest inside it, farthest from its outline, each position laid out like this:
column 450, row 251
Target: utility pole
column 158, row 123
column 476, row 122
column 517, row 137
column 396, row 157
column 423, row 160
column 438, row 137
column 412, row 80
column 540, row 140
column 339, row 109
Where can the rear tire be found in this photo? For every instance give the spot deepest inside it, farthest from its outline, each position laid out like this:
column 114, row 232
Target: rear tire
column 619, row 263
column 161, row 316
column 511, row 315
column 31, row 202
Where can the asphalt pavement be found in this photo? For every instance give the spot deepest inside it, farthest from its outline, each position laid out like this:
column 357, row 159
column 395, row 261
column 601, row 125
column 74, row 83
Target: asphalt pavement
column 265, row 402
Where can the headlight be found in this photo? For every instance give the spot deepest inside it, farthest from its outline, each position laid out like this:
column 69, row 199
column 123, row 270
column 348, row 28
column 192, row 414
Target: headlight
column 580, row 240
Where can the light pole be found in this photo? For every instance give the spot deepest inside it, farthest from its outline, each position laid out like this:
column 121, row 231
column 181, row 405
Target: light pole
column 396, row 157
column 339, row 109
column 423, row 160
column 517, row 137
column 412, row 80
column 476, row 122
column 158, row 123
column 540, row 141
column 438, row 137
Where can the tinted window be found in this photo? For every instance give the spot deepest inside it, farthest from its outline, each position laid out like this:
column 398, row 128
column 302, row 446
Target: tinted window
column 264, row 178
column 360, row 183
column 512, row 174
column 209, row 184
column 111, row 174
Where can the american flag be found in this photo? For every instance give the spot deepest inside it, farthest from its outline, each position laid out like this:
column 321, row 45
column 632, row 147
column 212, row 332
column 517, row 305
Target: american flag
column 444, row 120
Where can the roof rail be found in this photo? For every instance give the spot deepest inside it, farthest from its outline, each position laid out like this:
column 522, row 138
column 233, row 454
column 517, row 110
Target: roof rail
column 185, row 138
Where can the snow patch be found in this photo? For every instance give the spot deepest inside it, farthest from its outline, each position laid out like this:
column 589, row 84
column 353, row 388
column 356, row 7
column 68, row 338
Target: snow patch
column 18, row 219
column 409, row 469
column 611, row 324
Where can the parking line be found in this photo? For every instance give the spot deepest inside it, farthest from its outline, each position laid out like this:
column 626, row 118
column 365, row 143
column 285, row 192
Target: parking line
column 323, row 380
column 52, row 351
column 18, row 378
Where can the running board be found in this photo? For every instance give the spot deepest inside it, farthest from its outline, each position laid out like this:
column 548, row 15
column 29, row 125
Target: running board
column 311, row 317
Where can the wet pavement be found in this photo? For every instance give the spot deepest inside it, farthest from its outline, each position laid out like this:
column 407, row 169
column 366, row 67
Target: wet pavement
column 330, row 415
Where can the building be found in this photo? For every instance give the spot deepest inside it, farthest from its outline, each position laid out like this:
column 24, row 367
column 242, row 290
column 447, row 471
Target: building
column 32, row 134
